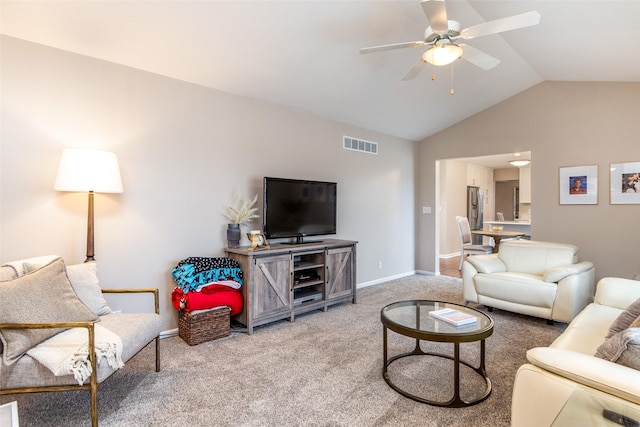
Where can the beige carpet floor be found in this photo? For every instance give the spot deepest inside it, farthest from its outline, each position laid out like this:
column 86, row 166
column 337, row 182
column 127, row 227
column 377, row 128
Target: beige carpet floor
column 324, row 369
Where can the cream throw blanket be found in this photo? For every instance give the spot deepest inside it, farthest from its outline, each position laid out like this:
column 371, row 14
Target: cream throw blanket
column 66, row 353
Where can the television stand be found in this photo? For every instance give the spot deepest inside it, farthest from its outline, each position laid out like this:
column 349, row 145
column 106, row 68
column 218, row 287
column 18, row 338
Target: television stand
column 287, row 280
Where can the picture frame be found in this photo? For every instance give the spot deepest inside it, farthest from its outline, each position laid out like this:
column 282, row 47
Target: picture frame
column 624, row 180
column 578, row 185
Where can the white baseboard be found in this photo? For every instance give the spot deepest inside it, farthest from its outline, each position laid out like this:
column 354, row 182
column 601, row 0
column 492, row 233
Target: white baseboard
column 451, row 255
column 168, row 334
column 385, row 279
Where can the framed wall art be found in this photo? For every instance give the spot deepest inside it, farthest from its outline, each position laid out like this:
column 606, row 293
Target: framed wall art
column 625, row 183
column 578, row 185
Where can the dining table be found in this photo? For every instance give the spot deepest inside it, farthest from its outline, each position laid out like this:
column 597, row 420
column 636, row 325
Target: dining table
column 498, row 236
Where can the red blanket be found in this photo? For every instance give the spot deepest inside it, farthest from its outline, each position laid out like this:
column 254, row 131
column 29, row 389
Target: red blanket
column 209, row 297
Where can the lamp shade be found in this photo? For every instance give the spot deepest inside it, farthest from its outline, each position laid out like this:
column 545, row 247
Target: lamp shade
column 443, row 54
column 88, row 170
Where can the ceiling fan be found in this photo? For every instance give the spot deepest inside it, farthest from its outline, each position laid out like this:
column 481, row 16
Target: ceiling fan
column 442, row 36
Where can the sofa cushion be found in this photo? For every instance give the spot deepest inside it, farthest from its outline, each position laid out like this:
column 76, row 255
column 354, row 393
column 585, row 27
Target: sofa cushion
column 625, row 319
column 18, row 266
column 587, row 330
column 28, row 299
column 135, row 329
column 533, row 257
column 527, row 289
column 624, row 347
column 84, row 279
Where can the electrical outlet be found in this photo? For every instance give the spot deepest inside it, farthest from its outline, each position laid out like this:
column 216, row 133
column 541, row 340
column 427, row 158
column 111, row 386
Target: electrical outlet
column 379, row 265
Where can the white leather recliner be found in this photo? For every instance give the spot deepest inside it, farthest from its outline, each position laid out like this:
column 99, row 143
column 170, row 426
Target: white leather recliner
column 540, row 279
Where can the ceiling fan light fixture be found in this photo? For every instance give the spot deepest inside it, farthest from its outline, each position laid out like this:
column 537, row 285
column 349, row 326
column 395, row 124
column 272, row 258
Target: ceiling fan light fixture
column 519, row 163
column 443, row 54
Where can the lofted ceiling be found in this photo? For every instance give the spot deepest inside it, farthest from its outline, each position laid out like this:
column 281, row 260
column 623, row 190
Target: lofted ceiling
column 303, row 54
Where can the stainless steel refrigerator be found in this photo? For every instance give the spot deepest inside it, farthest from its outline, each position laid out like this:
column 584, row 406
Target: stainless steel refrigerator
column 475, row 205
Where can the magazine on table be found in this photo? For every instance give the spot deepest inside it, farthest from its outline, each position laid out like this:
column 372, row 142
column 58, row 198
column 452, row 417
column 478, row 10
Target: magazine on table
column 454, row 317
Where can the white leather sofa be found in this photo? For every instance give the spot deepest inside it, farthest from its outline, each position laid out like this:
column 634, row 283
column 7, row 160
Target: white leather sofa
column 568, row 369
column 540, row 279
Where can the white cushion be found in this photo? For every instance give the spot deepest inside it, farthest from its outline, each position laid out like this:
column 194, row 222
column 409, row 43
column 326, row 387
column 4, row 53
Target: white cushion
column 18, row 266
column 526, row 289
column 84, row 279
column 587, row 330
column 533, row 257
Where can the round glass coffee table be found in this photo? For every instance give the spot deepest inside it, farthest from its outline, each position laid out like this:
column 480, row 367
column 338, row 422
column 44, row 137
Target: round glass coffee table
column 412, row 319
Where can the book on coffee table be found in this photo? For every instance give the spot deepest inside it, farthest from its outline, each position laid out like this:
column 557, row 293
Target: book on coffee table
column 454, row 317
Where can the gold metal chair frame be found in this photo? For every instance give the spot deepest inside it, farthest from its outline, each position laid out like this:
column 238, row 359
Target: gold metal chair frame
column 93, row 384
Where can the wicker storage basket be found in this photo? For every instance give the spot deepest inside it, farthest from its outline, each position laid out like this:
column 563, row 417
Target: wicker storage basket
column 204, row 326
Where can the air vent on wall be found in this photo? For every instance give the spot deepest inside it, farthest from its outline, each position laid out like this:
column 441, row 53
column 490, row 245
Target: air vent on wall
column 355, row 144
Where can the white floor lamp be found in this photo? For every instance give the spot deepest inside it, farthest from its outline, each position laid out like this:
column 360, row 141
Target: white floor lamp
column 92, row 171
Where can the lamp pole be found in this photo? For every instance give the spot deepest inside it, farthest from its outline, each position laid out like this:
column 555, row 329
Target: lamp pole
column 90, row 250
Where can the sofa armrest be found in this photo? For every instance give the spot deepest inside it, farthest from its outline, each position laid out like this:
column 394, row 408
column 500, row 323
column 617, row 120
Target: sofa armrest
column 556, row 274
column 617, row 292
column 47, row 325
column 573, row 294
column 154, row 291
column 600, row 374
column 487, row 263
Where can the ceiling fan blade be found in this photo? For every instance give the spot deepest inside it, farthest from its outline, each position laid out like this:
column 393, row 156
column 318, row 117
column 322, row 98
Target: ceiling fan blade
column 391, row 46
column 523, row 20
column 436, row 12
column 414, row 71
column 478, row 57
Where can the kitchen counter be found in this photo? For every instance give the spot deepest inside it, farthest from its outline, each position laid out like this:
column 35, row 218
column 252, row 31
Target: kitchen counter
column 522, row 225
column 522, row 221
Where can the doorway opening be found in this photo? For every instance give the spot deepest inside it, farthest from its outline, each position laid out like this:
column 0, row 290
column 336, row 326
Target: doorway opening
column 501, row 183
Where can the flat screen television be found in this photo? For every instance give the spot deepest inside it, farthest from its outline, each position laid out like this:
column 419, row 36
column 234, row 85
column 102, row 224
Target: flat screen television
column 298, row 208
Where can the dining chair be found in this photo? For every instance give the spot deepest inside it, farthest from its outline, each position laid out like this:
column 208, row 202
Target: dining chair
column 466, row 246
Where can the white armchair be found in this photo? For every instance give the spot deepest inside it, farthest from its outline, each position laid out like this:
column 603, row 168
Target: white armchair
column 540, row 279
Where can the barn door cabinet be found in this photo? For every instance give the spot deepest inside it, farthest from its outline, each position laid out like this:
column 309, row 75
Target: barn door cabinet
column 287, row 280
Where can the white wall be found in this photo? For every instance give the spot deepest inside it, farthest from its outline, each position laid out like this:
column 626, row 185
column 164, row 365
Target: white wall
column 562, row 124
column 453, row 202
column 185, row 151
